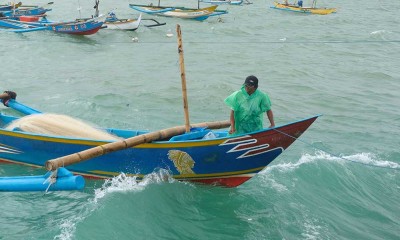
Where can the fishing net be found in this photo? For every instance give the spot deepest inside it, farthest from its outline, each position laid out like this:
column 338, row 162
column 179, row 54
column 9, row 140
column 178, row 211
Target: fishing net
column 59, row 125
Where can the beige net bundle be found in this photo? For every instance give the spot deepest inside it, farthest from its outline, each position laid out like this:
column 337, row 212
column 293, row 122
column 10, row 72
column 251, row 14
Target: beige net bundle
column 59, row 125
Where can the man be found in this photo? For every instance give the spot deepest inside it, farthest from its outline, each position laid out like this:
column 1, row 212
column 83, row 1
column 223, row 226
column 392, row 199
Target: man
column 247, row 108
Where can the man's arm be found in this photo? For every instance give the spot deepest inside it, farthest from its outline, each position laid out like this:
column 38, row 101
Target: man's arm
column 232, row 120
column 270, row 116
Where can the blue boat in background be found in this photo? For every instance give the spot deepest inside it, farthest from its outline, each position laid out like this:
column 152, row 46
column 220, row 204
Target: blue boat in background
column 77, row 27
column 14, row 12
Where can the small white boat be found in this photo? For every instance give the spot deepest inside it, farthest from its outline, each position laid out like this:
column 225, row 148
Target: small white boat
column 198, row 14
column 223, row 2
column 114, row 23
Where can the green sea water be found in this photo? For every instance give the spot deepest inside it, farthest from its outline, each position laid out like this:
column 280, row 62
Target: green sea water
column 340, row 180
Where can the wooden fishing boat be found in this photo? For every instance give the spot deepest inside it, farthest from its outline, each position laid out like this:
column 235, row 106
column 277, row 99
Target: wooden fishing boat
column 10, row 6
column 223, row 2
column 86, row 27
column 199, row 14
column 114, row 23
column 11, row 25
column 300, row 9
column 27, row 11
column 195, row 152
column 216, row 159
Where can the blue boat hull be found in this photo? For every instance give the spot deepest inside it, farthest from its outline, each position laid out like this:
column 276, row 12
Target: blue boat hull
column 84, row 28
column 227, row 161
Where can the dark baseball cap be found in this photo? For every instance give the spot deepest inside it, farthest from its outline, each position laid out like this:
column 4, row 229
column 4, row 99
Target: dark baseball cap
column 251, row 81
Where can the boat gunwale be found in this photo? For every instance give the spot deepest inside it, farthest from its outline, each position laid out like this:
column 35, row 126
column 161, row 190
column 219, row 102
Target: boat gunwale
column 155, row 144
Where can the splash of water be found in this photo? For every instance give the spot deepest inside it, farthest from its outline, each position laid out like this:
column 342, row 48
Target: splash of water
column 124, row 183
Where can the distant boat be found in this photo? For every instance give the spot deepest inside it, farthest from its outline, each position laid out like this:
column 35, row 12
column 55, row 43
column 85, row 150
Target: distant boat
column 128, row 24
column 300, row 9
column 10, row 6
column 112, row 22
column 199, row 14
column 79, row 28
column 87, row 27
column 223, row 2
column 27, row 11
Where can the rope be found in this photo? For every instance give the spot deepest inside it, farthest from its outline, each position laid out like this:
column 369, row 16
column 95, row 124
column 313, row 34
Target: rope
column 51, row 179
column 252, row 42
column 335, row 155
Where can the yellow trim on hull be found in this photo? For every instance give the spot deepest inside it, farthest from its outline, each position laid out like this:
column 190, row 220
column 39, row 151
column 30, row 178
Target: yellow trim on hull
column 295, row 8
column 186, row 176
column 105, row 174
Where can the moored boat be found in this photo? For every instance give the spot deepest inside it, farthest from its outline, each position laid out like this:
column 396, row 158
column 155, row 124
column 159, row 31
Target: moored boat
column 86, row 27
column 300, row 9
column 27, row 11
column 199, row 14
column 10, row 6
column 114, row 23
column 223, row 2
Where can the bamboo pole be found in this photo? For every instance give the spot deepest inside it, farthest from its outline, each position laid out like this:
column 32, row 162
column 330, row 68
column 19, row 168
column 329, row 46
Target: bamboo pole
column 183, row 78
column 144, row 138
column 126, row 143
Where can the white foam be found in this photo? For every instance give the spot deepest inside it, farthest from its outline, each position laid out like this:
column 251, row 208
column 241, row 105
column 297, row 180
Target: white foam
column 68, row 228
column 369, row 159
column 124, row 183
column 378, row 32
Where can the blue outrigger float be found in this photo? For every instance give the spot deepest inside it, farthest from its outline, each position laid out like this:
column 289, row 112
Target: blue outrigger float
column 60, row 180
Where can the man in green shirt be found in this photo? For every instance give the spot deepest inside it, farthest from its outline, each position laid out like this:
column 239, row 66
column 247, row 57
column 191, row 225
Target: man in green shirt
column 247, row 108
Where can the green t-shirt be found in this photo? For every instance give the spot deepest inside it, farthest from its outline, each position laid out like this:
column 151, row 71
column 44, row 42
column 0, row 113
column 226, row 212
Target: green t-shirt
column 248, row 109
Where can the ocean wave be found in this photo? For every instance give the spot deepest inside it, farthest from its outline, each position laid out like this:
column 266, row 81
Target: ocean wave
column 368, row 159
column 120, row 183
column 380, row 34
